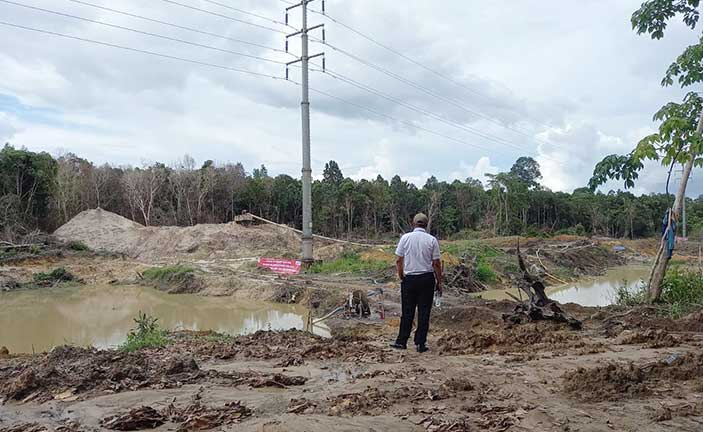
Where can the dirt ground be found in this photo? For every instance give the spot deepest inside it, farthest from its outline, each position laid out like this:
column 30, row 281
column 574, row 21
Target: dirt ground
column 626, row 370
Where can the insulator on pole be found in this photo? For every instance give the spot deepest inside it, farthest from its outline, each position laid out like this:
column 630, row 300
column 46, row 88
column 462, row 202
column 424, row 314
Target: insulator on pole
column 324, row 39
column 323, row 7
column 286, row 73
column 286, row 17
column 323, row 64
column 286, row 45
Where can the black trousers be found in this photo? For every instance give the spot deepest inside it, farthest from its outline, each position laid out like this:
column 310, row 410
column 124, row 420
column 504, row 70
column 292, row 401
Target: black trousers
column 416, row 292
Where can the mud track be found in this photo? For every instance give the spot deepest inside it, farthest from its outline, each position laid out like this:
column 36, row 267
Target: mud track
column 479, row 375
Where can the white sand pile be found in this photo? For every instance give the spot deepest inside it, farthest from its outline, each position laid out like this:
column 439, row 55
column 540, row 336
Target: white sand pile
column 101, row 230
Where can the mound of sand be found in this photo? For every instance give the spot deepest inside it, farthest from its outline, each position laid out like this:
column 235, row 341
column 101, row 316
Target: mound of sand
column 104, row 231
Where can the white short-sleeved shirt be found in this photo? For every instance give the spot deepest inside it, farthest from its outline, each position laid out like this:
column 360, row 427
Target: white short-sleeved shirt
column 419, row 249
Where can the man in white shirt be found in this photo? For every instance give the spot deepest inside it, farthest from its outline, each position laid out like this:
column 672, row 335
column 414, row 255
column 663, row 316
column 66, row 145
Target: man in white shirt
column 420, row 272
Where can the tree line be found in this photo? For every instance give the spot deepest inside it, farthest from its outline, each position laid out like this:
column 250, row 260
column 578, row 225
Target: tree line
column 39, row 191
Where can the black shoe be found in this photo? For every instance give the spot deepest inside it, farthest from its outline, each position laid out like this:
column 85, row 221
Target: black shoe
column 422, row 348
column 399, row 346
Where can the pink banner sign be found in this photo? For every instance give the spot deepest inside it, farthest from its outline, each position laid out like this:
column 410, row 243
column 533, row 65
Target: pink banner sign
column 282, row 266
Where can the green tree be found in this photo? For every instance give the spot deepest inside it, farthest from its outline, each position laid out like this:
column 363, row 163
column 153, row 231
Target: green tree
column 679, row 137
column 27, row 184
column 527, row 170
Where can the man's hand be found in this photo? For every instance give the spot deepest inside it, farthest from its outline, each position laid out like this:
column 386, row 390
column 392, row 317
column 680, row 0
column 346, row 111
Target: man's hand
column 400, row 267
column 437, row 266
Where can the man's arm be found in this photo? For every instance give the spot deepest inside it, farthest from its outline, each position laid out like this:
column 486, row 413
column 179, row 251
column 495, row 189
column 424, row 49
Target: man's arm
column 400, row 267
column 437, row 266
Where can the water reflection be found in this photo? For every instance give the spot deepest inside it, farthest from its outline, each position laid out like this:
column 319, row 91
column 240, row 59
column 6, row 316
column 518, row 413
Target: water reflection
column 600, row 291
column 597, row 291
column 102, row 315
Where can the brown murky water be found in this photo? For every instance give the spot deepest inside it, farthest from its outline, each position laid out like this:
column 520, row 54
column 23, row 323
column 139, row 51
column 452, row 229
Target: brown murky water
column 101, row 316
column 596, row 291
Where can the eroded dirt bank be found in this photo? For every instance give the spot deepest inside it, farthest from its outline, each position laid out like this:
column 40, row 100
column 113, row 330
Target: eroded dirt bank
column 627, row 370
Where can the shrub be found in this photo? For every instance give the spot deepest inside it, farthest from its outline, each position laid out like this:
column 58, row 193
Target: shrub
column 682, row 293
column 78, row 246
column 626, row 296
column 147, row 334
column 55, row 276
column 174, row 279
column 485, row 273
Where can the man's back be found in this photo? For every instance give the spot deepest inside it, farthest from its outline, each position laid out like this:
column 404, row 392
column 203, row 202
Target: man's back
column 418, row 248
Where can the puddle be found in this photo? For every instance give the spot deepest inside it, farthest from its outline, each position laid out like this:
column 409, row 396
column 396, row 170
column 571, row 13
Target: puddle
column 596, row 291
column 101, row 316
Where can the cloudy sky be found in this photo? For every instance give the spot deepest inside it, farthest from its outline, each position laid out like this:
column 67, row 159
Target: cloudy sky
column 566, row 84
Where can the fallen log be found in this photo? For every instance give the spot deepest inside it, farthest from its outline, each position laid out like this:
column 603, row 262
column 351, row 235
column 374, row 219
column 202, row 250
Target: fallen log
column 537, row 306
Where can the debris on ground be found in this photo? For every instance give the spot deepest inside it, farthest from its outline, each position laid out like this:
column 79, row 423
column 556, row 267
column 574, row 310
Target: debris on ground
column 196, row 416
column 434, row 424
column 293, row 347
column 462, row 279
column 71, row 372
column 538, row 306
column 618, row 381
column 192, row 417
column 135, row 419
column 301, row 406
column 532, row 337
column 650, row 338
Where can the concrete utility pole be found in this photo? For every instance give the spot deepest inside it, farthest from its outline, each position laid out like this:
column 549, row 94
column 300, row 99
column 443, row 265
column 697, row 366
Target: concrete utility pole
column 305, row 115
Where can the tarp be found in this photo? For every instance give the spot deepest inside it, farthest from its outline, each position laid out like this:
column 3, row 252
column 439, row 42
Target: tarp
column 282, row 266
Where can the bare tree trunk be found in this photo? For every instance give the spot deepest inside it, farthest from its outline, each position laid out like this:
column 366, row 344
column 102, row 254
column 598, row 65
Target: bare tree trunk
column 662, row 261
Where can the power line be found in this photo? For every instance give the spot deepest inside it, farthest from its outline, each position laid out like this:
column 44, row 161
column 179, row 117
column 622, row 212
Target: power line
column 389, row 117
column 143, row 32
column 426, row 90
column 243, row 71
column 424, row 112
column 209, row 12
column 415, row 62
column 247, row 12
column 153, row 53
column 178, row 26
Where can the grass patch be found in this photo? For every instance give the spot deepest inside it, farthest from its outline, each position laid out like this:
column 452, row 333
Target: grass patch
column 350, row 262
column 174, row 279
column 488, row 258
column 168, row 273
column 146, row 334
column 485, row 273
column 471, row 247
column 78, row 246
column 682, row 293
column 56, row 276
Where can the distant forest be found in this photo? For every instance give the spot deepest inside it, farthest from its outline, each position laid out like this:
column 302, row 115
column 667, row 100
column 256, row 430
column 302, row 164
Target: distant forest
column 39, row 191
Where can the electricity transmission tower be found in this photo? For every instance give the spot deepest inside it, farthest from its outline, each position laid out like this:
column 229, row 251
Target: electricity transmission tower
column 305, row 115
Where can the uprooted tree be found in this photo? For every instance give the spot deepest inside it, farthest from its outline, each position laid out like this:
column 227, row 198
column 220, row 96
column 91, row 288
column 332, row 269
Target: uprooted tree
column 679, row 137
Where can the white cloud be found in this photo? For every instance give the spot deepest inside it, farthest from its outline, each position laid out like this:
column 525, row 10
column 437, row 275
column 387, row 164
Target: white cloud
column 477, row 171
column 568, row 155
column 589, row 90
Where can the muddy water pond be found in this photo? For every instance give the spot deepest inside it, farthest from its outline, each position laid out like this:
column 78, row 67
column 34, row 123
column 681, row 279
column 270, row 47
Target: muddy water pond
column 594, row 291
column 101, row 316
